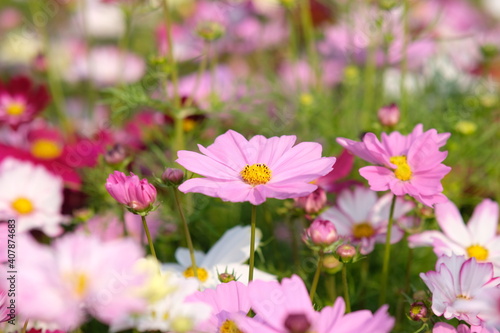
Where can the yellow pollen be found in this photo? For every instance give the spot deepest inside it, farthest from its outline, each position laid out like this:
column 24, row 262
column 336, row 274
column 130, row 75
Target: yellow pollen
column 416, row 309
column 478, row 252
column 15, row 109
column 229, row 326
column 188, row 124
column 46, row 149
column 403, row 170
column 202, row 273
column 256, row 174
column 464, row 297
column 362, row 230
column 79, row 283
column 22, row 206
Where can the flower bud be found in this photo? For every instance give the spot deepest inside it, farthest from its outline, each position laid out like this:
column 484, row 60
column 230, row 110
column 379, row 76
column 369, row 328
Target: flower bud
column 389, row 115
column 137, row 195
column 297, row 323
column 331, row 264
column 418, row 311
column 226, row 277
column 346, row 252
column 312, row 203
column 172, row 176
column 320, row 233
column 115, row 155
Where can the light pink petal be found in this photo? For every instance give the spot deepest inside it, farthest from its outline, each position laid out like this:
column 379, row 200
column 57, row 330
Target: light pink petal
column 443, row 328
column 357, row 148
column 342, row 223
column 441, row 243
column 452, row 224
column 473, row 276
column 286, row 190
column 377, row 150
column 357, row 203
column 234, row 191
column 247, row 324
column 182, row 256
column 232, row 149
column 274, row 148
column 378, row 177
column 484, row 221
column 306, row 171
column 330, row 315
column 205, row 166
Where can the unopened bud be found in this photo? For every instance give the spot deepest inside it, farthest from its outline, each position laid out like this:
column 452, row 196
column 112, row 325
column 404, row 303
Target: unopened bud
column 226, row 277
column 115, row 155
column 312, row 203
column 172, row 176
column 297, row 323
column 321, row 233
column 418, row 311
column 331, row 264
column 346, row 252
column 389, row 115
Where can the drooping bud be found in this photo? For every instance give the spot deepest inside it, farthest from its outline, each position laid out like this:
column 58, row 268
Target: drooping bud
column 346, row 252
column 312, row 203
column 172, row 176
column 418, row 311
column 321, row 233
column 389, row 115
column 297, row 323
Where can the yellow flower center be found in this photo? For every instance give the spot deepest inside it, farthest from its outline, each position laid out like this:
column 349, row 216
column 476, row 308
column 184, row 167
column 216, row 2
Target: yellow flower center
column 403, row 170
column 464, row 297
column 478, row 252
column 22, row 206
column 188, row 124
column 202, row 273
column 256, row 174
column 46, row 149
column 229, row 326
column 79, row 283
column 15, row 109
column 416, row 309
column 363, row 230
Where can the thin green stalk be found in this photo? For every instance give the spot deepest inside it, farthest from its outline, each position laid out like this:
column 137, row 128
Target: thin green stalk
column 331, row 287
column 173, row 65
column 201, row 69
column 213, row 65
column 369, row 85
column 387, row 254
column 409, row 261
column 148, row 235
column 122, row 220
column 424, row 326
column 25, row 326
column 316, row 275
column 404, row 61
column 306, row 20
column 345, row 286
column 186, row 232
column 252, row 242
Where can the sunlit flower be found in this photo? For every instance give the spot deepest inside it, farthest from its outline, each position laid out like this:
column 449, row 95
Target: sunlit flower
column 32, row 196
column 477, row 239
column 405, row 164
column 236, row 169
column 78, row 274
column 286, row 307
column 362, row 217
column 21, row 101
column 226, row 255
column 137, row 195
column 456, row 283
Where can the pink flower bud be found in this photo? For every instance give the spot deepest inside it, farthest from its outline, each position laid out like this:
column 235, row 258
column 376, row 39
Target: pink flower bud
column 172, row 176
column 297, row 323
column 312, row 203
column 115, row 155
column 136, row 194
column 418, row 311
column 389, row 115
column 346, row 252
column 321, row 233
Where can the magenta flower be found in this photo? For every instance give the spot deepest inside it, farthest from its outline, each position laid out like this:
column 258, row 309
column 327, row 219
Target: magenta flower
column 227, row 301
column 136, row 194
column 321, row 233
column 477, row 239
column 456, row 284
column 286, row 307
column 405, row 164
column 236, row 169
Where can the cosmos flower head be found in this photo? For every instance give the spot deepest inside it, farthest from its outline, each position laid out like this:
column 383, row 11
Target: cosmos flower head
column 408, row 164
column 236, row 169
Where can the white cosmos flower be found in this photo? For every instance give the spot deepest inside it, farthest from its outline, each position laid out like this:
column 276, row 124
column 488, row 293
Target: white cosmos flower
column 227, row 255
column 30, row 195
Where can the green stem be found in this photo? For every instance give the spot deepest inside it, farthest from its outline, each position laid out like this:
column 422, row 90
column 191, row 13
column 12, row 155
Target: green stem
column 424, row 326
column 122, row 220
column 316, row 276
column 252, row 242
column 331, row 287
column 345, row 286
column 186, row 232
column 173, row 66
column 148, row 235
column 387, row 254
column 306, row 20
column 369, row 85
column 404, row 60
column 25, row 326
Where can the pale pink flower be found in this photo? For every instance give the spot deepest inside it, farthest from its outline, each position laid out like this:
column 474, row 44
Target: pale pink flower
column 477, row 239
column 5, row 312
column 237, row 169
column 456, row 284
column 462, row 328
column 389, row 115
column 487, row 303
column 137, row 195
column 226, row 300
column 78, row 275
column 361, row 217
column 405, row 164
column 286, row 307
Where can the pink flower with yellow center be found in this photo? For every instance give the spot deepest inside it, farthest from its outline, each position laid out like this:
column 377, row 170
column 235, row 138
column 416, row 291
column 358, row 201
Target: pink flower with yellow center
column 477, row 239
column 20, row 101
column 405, row 164
column 236, row 169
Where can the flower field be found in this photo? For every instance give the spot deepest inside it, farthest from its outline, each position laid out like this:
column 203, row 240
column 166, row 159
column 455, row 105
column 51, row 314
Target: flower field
column 250, row 166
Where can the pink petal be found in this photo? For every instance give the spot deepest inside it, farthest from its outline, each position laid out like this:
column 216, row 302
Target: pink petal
column 483, row 223
column 452, row 224
column 378, row 177
column 206, row 166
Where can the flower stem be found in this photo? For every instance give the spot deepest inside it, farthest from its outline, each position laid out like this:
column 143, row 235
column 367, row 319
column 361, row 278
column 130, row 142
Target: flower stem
column 312, row 54
column 150, row 241
column 25, row 326
column 252, row 242
column 331, row 287
column 186, row 232
column 387, row 254
column 316, row 275
column 345, row 286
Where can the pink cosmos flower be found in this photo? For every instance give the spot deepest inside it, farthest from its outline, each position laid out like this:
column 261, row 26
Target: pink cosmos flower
column 286, row 307
column 4, row 304
column 456, row 284
column 21, row 101
column 236, row 169
column 477, row 239
column 362, row 217
column 77, row 275
column 138, row 195
column 462, row 328
column 227, row 301
column 405, row 164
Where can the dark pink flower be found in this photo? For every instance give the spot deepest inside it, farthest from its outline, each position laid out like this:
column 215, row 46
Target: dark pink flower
column 136, row 194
